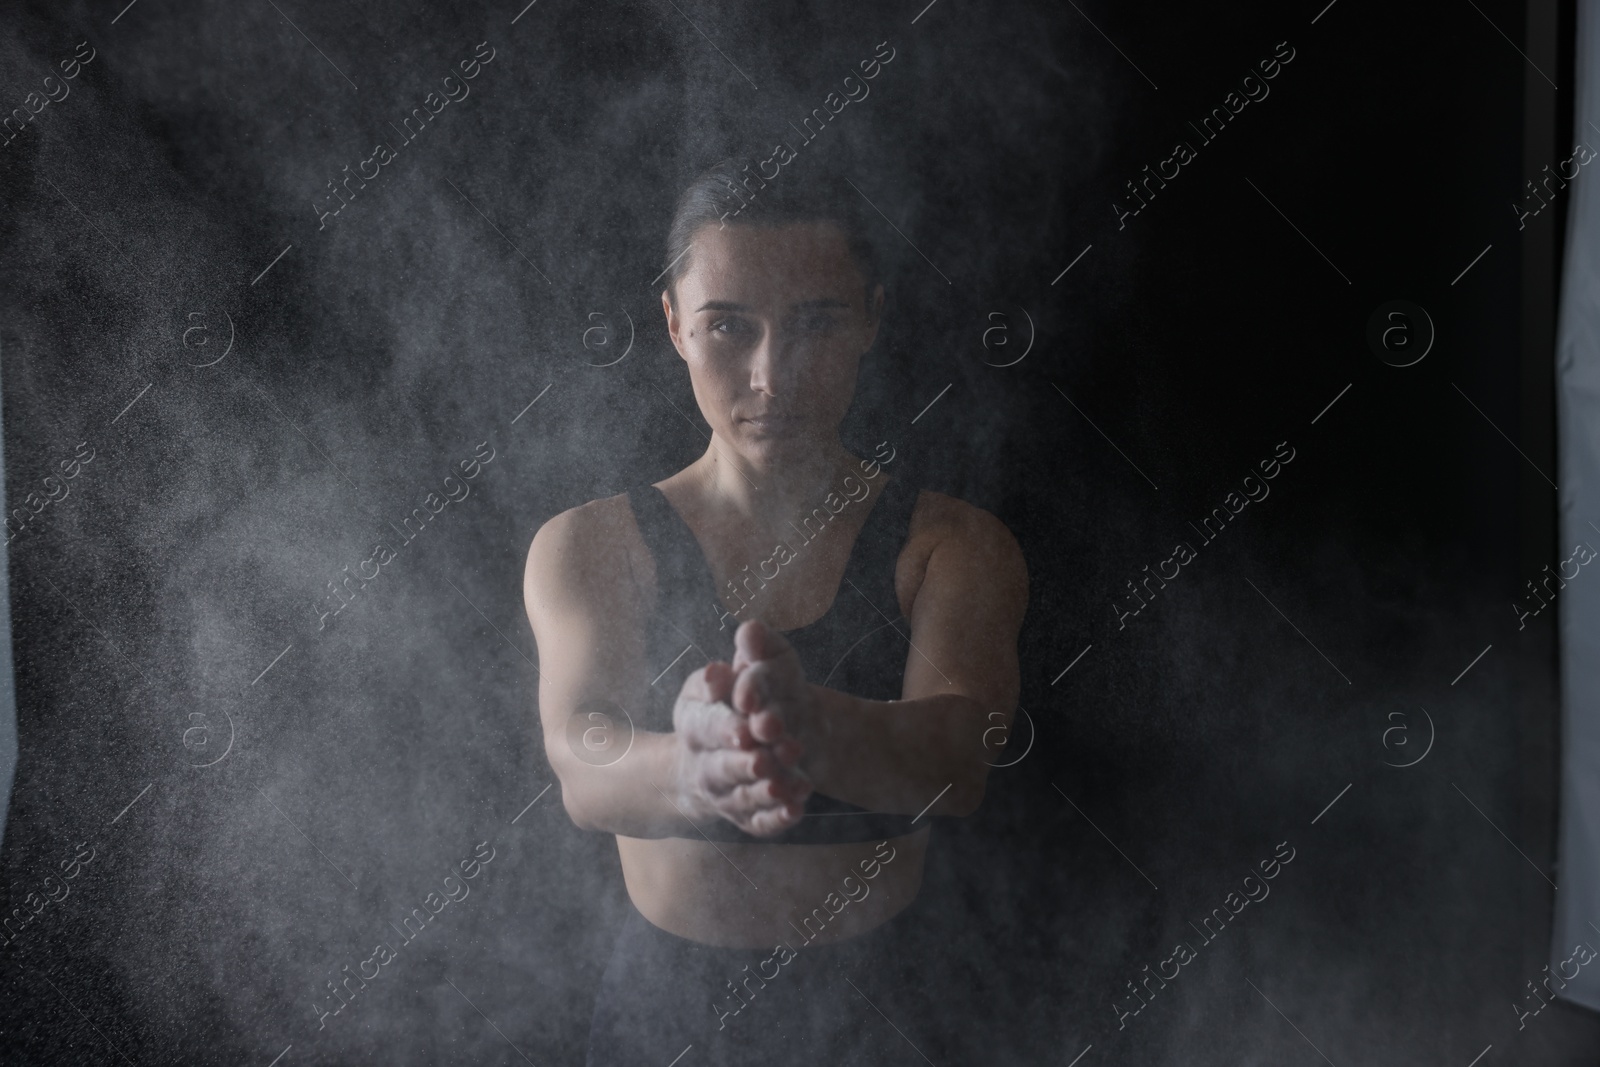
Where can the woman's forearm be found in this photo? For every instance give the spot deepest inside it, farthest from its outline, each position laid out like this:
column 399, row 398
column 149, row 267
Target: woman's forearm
column 898, row 755
column 883, row 755
column 637, row 796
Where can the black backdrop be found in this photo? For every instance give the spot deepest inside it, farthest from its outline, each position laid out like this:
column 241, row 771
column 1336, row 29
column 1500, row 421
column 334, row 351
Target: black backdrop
column 294, row 789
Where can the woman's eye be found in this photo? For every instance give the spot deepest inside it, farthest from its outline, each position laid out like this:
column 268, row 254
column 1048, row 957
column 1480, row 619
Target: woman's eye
column 727, row 326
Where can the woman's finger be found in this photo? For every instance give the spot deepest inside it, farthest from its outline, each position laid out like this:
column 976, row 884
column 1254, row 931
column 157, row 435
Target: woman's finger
column 788, row 750
column 727, row 769
column 711, row 683
column 767, row 726
column 711, row 726
column 775, row 820
column 755, row 641
column 719, row 679
column 743, row 801
column 752, row 688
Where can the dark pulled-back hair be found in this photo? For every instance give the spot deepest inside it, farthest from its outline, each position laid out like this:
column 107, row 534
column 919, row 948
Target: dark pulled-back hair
column 726, row 195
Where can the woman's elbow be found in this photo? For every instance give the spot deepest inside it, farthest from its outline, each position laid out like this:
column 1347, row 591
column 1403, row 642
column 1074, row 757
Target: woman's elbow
column 574, row 797
column 965, row 799
column 571, row 800
column 970, row 773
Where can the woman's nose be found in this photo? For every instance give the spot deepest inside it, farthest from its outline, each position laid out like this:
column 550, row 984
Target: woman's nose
column 764, row 363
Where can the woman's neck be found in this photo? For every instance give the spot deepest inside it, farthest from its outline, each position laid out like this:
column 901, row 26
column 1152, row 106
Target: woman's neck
column 771, row 495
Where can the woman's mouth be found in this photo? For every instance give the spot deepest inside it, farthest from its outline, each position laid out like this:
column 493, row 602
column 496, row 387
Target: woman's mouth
column 770, row 424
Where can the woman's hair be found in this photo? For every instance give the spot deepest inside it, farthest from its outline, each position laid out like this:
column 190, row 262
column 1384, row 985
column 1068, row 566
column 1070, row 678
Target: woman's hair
column 727, row 196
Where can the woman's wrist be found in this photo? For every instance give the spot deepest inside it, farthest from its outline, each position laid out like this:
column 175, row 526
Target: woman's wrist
column 818, row 729
column 689, row 802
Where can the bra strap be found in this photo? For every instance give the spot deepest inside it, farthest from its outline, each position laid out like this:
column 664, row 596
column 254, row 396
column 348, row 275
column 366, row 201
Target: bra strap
column 878, row 547
column 671, row 543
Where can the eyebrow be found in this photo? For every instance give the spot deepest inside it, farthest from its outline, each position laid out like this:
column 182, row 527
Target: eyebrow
column 727, row 305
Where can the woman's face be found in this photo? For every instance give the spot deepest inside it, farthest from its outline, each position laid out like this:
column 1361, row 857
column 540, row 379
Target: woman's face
column 773, row 321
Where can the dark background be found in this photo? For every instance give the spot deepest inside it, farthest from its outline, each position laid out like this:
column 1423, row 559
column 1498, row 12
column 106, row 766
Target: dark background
column 457, row 287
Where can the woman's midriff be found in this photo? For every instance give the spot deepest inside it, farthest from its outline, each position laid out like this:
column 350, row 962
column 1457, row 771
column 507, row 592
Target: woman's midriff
column 751, row 896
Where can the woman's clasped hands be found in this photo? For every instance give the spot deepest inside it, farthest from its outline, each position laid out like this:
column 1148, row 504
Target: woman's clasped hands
column 740, row 728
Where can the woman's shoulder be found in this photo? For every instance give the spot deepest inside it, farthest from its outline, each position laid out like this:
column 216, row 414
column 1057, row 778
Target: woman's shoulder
column 965, row 540
column 939, row 517
column 593, row 544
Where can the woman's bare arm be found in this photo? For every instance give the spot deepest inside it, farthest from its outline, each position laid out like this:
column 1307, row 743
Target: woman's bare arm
column 961, row 680
column 587, row 588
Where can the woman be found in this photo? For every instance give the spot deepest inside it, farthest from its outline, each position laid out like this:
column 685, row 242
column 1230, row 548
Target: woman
column 723, row 686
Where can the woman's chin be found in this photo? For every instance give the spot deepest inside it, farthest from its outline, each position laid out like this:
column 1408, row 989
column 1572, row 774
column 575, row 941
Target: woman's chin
column 765, row 448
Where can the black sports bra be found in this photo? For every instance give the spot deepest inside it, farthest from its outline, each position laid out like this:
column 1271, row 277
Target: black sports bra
column 858, row 646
